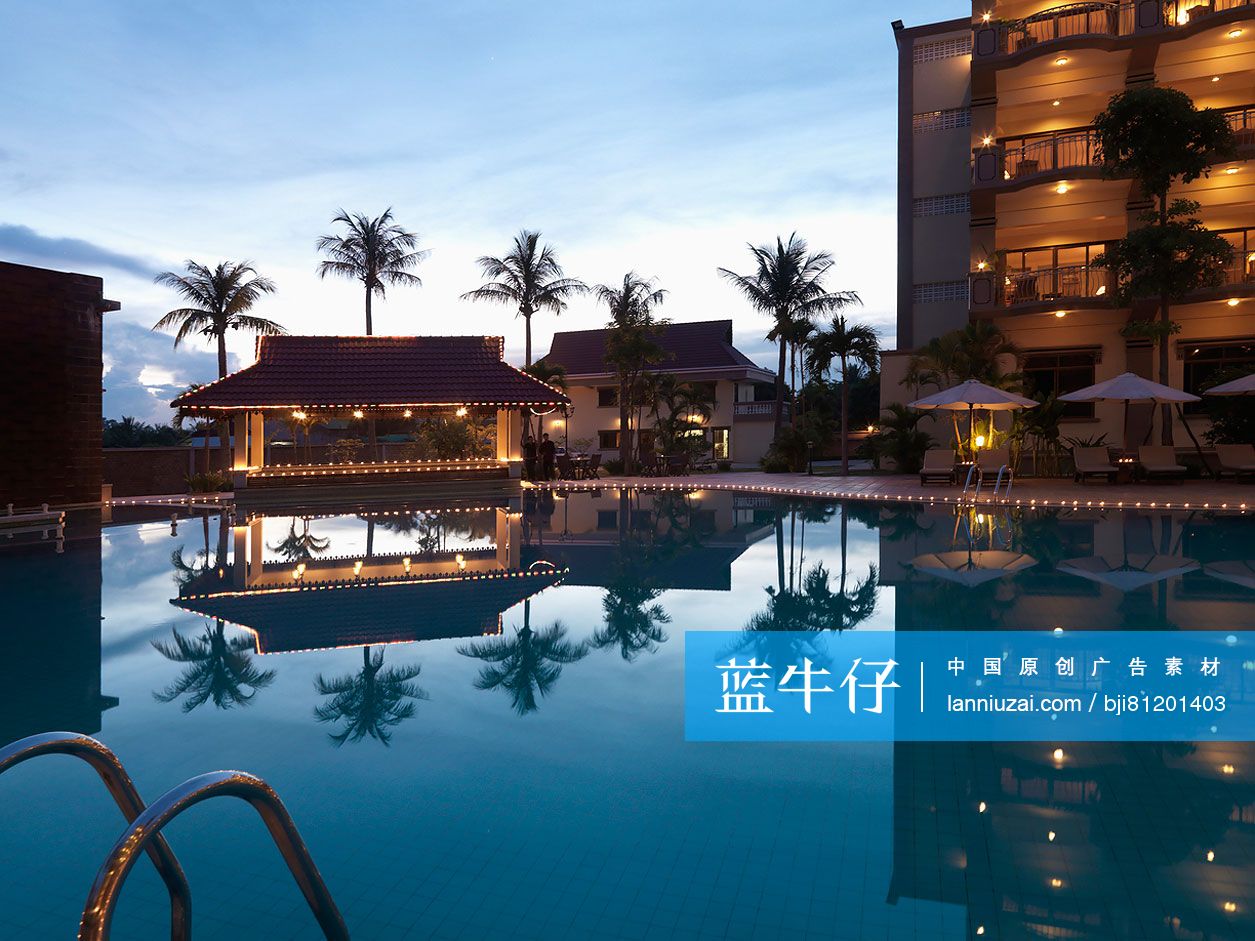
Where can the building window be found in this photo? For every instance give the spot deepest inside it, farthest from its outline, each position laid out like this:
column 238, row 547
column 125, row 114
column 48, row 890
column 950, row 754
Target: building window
column 951, row 204
column 942, row 49
column 936, row 291
column 1204, row 361
column 607, row 397
column 608, row 440
column 721, row 443
column 1054, row 372
column 942, row 120
column 607, row 519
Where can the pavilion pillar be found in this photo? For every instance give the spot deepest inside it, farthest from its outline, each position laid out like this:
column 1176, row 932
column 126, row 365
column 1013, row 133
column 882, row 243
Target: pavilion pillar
column 509, row 432
column 239, row 427
column 256, row 439
column 509, row 538
column 239, row 557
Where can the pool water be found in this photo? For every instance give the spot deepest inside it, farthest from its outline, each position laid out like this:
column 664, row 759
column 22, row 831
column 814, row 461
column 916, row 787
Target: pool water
column 479, row 731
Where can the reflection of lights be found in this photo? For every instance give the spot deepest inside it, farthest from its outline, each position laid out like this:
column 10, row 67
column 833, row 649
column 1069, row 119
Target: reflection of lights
column 405, row 564
column 1056, row 883
column 357, row 568
column 1051, row 836
column 461, row 560
column 1230, row 906
column 1058, row 754
column 1227, row 769
column 981, row 807
column 1211, row 856
column 980, row 929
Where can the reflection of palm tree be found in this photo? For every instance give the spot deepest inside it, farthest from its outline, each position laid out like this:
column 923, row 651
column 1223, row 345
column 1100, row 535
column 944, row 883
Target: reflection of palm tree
column 219, row 669
column 633, row 619
column 302, row 546
column 370, row 701
column 526, row 664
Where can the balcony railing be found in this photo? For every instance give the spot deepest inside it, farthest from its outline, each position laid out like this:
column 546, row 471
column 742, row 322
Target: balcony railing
column 757, row 410
column 1063, row 284
column 1242, row 268
column 1026, row 156
column 1095, row 18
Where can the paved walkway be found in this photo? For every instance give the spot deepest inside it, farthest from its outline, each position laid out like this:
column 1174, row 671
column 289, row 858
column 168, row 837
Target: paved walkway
column 1225, row 496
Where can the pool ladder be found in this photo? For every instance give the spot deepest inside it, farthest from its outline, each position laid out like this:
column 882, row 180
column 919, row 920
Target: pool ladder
column 143, row 834
column 1004, row 470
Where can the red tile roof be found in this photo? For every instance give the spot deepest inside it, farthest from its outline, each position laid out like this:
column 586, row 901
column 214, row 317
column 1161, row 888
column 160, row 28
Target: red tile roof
column 703, row 345
column 305, row 371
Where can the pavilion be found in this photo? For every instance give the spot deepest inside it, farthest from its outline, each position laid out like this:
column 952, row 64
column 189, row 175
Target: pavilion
column 307, row 379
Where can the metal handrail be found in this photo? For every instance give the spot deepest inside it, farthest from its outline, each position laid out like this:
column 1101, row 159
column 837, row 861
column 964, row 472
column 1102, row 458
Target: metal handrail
column 967, row 483
column 106, row 764
column 146, row 829
column 998, row 483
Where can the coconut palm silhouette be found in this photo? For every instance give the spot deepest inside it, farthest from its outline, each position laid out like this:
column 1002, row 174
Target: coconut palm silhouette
column 219, row 669
column 370, row 702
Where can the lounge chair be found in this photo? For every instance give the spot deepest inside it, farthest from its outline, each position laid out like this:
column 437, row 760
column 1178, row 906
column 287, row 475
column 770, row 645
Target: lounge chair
column 938, row 465
column 1159, row 461
column 1236, row 459
column 1093, row 462
column 593, row 470
column 991, row 461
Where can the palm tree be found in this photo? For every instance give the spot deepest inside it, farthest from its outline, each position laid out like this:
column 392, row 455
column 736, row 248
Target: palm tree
column 528, row 277
column 219, row 299
column 371, row 701
column 677, row 406
column 845, row 343
column 219, row 669
column 377, row 252
column 526, row 664
column 633, row 620
column 553, row 374
column 788, row 285
column 631, row 347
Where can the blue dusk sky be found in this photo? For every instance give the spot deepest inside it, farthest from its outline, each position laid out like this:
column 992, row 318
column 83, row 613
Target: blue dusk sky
column 654, row 136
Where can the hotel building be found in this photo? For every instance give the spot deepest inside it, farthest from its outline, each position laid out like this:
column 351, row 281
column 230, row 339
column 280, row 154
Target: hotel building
column 1002, row 208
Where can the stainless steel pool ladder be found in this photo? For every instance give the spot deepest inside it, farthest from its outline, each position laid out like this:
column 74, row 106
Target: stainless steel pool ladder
column 143, row 834
column 1004, row 470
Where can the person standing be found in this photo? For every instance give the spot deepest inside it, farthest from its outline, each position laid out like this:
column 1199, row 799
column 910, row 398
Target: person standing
column 529, row 458
column 548, row 455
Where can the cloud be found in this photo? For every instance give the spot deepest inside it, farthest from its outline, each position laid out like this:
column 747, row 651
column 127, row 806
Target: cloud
column 23, row 244
column 143, row 372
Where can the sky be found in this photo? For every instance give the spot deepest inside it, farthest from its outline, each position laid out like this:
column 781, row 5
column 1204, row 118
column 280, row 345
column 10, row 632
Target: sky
column 659, row 137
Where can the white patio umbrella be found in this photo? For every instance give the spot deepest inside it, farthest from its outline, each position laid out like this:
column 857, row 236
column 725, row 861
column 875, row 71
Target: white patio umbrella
column 972, row 568
column 1133, row 572
column 1243, row 386
column 971, row 395
column 1130, row 387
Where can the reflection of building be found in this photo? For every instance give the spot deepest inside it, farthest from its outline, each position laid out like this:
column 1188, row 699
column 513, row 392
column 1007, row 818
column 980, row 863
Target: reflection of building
column 50, row 641
column 1002, row 208
column 687, row 540
column 1091, row 569
column 740, row 427
column 336, row 601
column 1147, row 841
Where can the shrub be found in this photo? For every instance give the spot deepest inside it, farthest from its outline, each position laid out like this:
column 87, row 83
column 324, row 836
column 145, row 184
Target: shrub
column 346, row 450
column 213, row 482
column 773, row 462
column 724, row 466
column 900, row 440
column 613, row 466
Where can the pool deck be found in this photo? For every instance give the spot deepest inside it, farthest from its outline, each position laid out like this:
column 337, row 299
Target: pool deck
column 1223, row 496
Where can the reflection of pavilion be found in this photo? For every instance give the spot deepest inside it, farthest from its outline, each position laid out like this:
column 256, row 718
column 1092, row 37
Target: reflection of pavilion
column 50, row 642
column 371, row 598
column 690, row 540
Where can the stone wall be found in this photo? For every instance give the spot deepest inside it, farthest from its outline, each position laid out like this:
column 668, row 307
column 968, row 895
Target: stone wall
column 50, row 425
column 139, row 472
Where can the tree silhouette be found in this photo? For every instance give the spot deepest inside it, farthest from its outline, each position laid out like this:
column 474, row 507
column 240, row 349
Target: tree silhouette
column 370, row 702
column 219, row 669
column 527, row 664
column 302, row 546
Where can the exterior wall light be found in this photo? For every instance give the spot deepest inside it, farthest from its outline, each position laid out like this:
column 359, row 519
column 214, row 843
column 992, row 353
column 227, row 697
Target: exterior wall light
column 986, row 140
column 1235, row 32
column 358, row 413
column 408, row 413
column 1056, row 103
column 1232, row 302
column 1062, row 60
column 1215, row 78
column 1062, row 189
column 1061, row 314
column 1230, row 170
column 461, row 412
column 986, row 16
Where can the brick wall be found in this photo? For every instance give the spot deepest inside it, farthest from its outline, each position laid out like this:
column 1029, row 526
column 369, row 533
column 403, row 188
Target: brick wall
column 139, row 472
column 50, row 425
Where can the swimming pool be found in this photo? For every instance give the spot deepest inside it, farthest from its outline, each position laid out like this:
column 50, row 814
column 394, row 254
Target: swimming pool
column 479, row 730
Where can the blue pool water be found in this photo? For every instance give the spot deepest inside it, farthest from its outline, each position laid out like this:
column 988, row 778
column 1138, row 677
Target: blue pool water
column 518, row 767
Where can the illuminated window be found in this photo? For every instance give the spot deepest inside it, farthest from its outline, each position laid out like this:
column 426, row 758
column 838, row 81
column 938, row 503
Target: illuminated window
column 608, row 440
column 721, row 443
column 1059, row 371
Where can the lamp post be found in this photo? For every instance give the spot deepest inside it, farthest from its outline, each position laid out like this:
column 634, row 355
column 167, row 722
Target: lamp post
column 810, row 458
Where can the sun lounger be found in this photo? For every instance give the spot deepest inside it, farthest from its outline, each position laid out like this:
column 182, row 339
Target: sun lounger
column 1158, row 461
column 988, row 463
column 1236, row 459
column 938, row 465
column 1093, row 462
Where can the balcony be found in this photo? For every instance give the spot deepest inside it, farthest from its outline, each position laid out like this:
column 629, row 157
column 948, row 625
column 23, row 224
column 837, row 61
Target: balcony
column 1036, row 158
column 1036, row 289
column 757, row 411
column 1098, row 19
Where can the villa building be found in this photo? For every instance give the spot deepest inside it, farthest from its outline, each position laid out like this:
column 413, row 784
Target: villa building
column 1002, row 209
column 740, row 427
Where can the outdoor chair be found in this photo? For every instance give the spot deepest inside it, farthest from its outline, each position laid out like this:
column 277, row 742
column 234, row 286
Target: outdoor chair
column 594, row 466
column 1093, row 462
column 991, row 461
column 677, row 466
column 1236, row 459
column 1157, row 461
column 938, row 465
column 566, row 469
